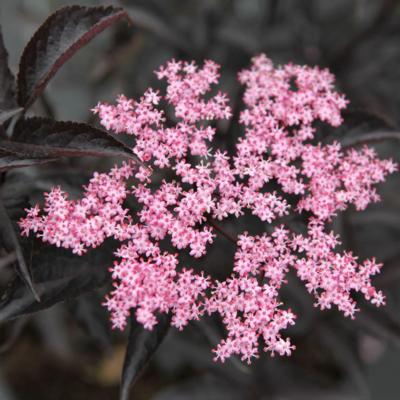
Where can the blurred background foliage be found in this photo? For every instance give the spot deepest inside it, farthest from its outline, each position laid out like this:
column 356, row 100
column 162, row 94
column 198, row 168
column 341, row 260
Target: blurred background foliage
column 68, row 351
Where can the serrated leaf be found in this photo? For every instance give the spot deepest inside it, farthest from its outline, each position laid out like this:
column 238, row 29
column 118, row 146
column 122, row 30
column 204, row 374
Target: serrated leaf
column 41, row 140
column 142, row 344
column 11, row 243
column 7, row 82
column 61, row 138
column 58, row 276
column 56, row 41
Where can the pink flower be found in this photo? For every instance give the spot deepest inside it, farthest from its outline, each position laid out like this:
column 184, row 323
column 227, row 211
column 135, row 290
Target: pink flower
column 281, row 107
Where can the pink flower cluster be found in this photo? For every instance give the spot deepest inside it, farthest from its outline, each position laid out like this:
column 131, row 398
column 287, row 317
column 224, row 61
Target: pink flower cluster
column 175, row 131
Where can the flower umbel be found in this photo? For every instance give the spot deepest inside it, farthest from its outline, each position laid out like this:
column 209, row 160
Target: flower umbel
column 278, row 168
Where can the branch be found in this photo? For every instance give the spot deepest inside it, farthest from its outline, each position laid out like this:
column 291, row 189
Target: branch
column 221, row 231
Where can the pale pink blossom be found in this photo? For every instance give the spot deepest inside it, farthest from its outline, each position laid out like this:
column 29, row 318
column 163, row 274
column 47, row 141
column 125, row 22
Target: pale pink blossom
column 277, row 147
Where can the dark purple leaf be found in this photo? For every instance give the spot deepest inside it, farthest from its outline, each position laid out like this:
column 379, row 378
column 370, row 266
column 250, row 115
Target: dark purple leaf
column 142, row 344
column 10, row 160
column 41, row 140
column 68, row 138
column 11, row 243
column 59, row 276
column 7, row 82
column 56, row 41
